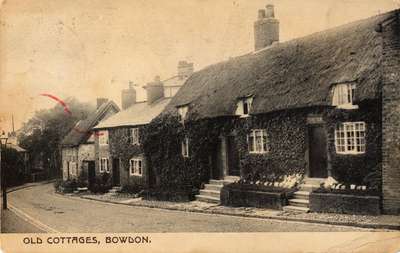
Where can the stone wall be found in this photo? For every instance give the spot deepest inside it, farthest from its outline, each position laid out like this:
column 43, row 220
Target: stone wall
column 391, row 117
column 68, row 155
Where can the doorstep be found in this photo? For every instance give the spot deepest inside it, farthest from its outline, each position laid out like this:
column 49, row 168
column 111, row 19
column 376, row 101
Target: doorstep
column 384, row 222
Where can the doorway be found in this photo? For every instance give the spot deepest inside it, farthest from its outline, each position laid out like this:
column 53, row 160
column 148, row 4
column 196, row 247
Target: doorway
column 91, row 173
column 317, row 152
column 232, row 157
column 115, row 172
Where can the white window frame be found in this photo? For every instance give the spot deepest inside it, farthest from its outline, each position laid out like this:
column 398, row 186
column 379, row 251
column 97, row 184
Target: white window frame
column 185, row 147
column 343, row 96
column 134, row 137
column 240, row 106
column 136, row 167
column 183, row 111
column 103, row 137
column 253, row 146
column 350, row 138
column 104, row 166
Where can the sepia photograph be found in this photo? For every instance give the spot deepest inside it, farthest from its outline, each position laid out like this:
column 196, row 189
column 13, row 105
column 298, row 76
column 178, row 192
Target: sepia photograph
column 226, row 118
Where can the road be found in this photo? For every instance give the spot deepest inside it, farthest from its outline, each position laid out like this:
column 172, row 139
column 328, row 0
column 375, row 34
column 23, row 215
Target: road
column 72, row 214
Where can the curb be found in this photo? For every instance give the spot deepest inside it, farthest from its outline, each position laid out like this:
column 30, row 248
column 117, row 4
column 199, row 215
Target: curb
column 16, row 188
column 336, row 223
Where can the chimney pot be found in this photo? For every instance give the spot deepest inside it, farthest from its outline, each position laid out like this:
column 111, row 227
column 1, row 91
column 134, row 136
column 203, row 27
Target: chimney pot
column 270, row 11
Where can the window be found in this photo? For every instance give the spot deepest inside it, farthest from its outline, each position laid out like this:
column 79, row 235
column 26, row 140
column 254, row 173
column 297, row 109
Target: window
column 104, row 165
column 244, row 106
column 185, row 147
column 134, row 136
column 135, row 167
column 103, row 137
column 73, row 168
column 183, row 110
column 350, row 138
column 258, row 141
column 343, row 96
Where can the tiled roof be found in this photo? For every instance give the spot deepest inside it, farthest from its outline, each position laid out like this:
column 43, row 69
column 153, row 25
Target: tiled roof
column 138, row 114
column 82, row 130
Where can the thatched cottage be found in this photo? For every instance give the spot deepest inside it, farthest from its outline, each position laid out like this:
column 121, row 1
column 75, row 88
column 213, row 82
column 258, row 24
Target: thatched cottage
column 321, row 106
column 77, row 148
column 118, row 142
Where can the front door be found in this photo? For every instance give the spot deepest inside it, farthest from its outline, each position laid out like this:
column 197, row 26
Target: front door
column 115, row 168
column 91, row 173
column 232, row 157
column 317, row 152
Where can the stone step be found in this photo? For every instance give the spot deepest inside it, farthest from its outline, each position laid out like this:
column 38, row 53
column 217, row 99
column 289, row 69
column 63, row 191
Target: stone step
column 301, row 195
column 216, row 182
column 213, row 187
column 308, row 187
column 299, row 202
column 296, row 209
column 231, row 179
column 210, row 193
column 207, row 199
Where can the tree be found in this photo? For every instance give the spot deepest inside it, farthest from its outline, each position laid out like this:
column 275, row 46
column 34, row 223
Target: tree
column 41, row 135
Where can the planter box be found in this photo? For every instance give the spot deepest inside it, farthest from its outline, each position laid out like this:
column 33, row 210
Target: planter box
column 236, row 197
column 175, row 196
column 343, row 203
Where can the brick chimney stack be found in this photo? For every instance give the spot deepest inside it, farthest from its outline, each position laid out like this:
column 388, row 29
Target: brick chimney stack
column 154, row 90
column 185, row 69
column 266, row 28
column 128, row 96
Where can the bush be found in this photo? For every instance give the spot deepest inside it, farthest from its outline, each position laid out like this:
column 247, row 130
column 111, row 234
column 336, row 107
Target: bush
column 132, row 188
column 102, row 184
column 177, row 195
column 368, row 192
column 256, row 187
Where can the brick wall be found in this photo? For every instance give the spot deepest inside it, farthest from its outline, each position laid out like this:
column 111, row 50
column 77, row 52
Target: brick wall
column 68, row 155
column 391, row 117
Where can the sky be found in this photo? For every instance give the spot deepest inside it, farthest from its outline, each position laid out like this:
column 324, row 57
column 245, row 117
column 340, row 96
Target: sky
column 93, row 48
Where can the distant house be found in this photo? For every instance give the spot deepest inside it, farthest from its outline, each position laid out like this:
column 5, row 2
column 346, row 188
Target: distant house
column 119, row 150
column 78, row 148
column 322, row 105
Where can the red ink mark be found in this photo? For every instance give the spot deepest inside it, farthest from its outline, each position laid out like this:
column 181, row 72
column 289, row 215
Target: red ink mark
column 66, row 110
column 59, row 101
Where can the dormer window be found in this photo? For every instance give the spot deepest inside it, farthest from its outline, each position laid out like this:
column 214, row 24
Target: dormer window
column 343, row 96
column 182, row 111
column 244, row 106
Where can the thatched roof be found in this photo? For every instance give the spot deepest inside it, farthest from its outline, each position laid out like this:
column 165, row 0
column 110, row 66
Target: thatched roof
column 82, row 130
column 294, row 74
column 137, row 114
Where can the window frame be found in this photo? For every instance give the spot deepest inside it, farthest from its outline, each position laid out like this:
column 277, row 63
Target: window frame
column 349, row 137
column 134, row 138
column 106, row 168
column 136, row 167
column 183, row 112
column 103, row 135
column 185, row 147
column 343, row 95
column 240, row 106
column 252, row 137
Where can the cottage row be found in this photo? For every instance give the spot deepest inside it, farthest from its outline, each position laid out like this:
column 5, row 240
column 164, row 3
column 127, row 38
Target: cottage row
column 322, row 106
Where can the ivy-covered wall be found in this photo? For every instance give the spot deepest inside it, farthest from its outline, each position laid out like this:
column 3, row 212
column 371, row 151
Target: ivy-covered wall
column 122, row 149
column 287, row 140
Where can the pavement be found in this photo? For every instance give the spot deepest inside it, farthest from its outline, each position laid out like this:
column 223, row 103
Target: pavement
column 61, row 213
